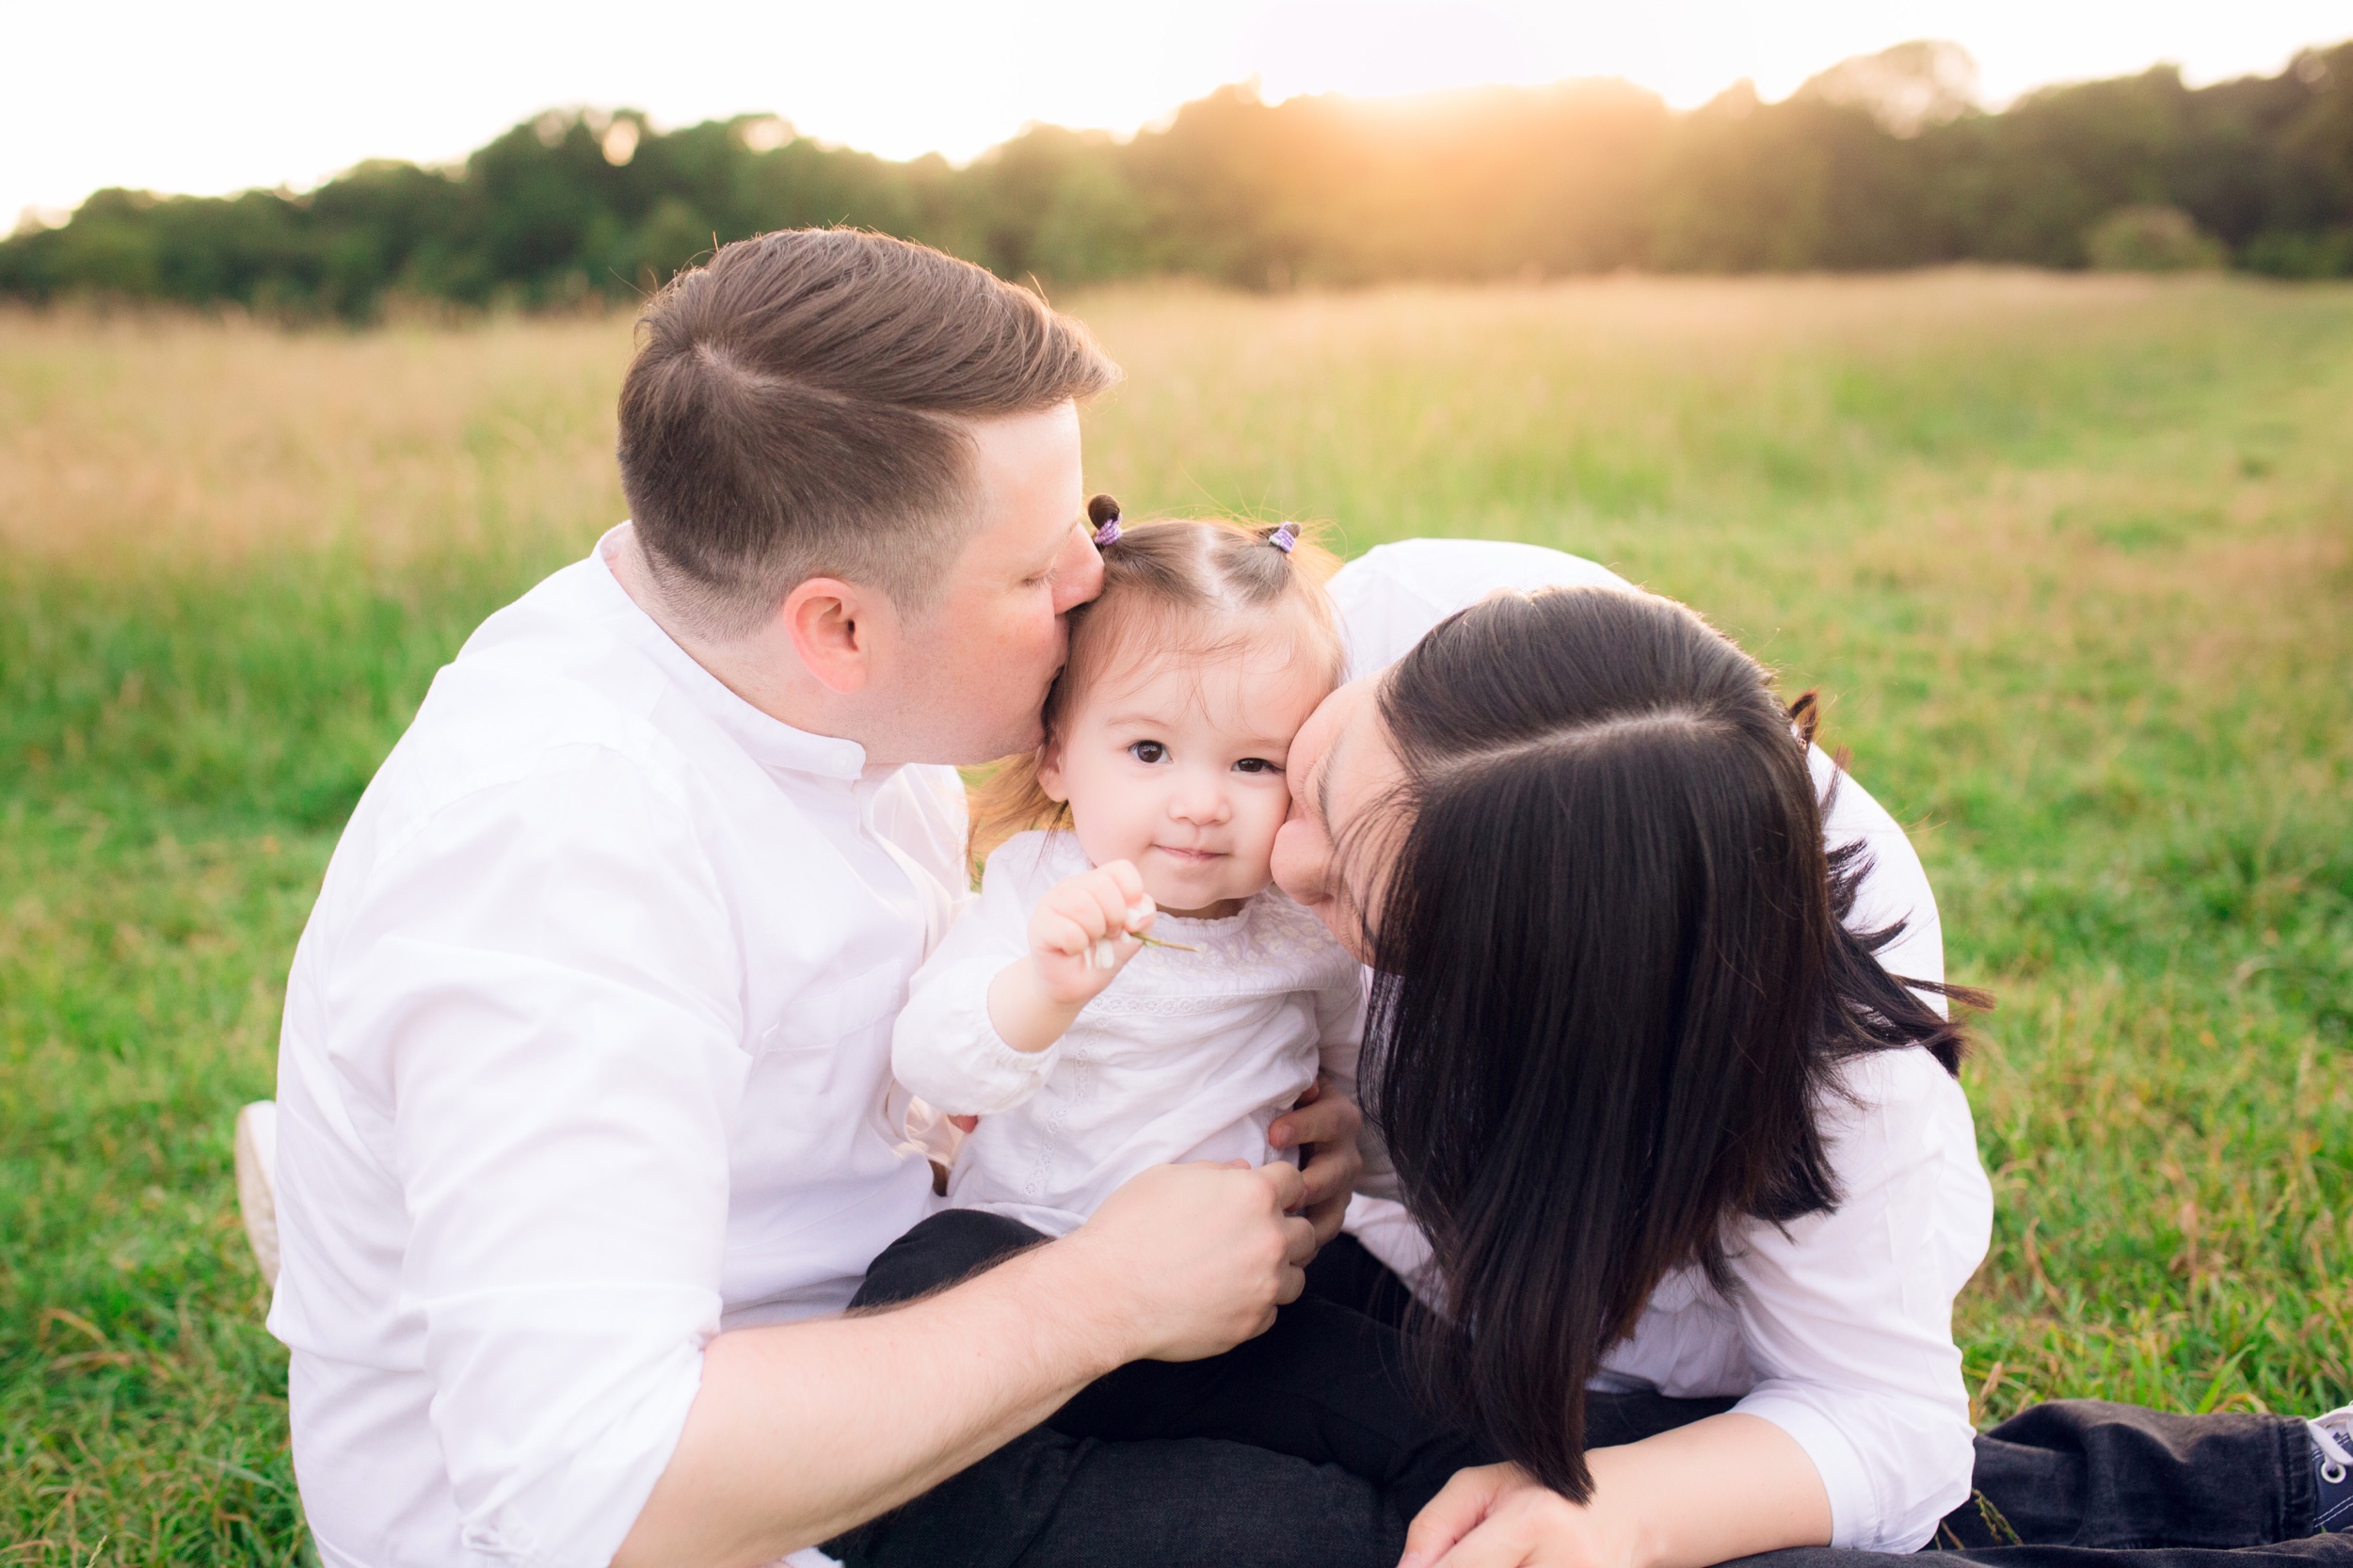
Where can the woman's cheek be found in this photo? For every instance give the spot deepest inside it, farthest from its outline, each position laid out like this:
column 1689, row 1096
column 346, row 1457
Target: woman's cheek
column 1296, row 862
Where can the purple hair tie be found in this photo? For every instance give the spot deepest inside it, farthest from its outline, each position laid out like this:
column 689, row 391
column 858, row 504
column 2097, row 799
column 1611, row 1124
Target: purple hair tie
column 1103, row 512
column 1283, row 537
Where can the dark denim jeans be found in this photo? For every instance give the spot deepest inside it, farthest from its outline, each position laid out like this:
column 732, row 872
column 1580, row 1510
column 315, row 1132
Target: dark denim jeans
column 2075, row 1483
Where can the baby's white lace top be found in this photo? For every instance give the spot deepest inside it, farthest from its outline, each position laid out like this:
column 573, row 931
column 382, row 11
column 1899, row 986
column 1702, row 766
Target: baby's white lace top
column 1184, row 1056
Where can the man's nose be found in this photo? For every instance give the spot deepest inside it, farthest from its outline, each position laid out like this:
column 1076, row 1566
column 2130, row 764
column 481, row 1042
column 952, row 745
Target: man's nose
column 1079, row 575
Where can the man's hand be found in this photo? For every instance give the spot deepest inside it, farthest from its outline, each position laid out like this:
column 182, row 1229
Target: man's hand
column 1201, row 1255
column 1325, row 1125
column 1182, row 1262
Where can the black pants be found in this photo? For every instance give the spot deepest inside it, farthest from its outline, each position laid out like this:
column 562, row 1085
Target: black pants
column 1326, row 1383
column 2075, row 1483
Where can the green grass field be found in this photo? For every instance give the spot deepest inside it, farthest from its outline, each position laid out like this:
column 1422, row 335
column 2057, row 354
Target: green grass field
column 2073, row 559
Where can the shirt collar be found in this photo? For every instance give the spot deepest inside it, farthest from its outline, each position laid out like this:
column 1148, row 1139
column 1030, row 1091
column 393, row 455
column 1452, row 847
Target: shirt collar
column 768, row 741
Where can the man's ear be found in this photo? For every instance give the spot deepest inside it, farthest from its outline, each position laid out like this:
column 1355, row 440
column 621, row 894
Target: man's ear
column 1049, row 772
column 835, row 626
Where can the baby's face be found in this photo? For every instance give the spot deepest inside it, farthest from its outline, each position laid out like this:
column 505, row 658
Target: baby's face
column 1178, row 767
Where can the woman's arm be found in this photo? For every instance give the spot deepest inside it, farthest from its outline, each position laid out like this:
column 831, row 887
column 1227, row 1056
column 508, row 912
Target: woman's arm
column 1857, row 1434
column 1700, row 1494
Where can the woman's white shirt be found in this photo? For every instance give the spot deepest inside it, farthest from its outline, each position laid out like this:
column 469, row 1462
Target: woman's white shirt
column 1840, row 1329
column 1184, row 1056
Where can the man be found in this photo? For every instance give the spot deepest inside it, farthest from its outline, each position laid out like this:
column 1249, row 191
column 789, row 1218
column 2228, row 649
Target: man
column 586, row 1125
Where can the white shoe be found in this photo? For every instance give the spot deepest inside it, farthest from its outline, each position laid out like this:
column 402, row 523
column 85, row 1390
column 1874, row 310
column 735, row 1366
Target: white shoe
column 2333, row 1467
column 257, row 1182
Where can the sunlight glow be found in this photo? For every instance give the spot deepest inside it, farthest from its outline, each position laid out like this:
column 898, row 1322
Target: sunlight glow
column 265, row 93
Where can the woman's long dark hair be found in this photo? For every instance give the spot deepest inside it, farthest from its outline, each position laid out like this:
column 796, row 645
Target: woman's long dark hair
column 1613, row 989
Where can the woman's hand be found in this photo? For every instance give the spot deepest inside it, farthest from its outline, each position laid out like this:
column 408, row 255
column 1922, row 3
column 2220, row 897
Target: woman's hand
column 1498, row 1516
column 1728, row 1486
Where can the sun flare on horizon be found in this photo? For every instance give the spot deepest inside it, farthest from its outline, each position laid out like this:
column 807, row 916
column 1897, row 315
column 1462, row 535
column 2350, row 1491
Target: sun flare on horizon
column 262, row 93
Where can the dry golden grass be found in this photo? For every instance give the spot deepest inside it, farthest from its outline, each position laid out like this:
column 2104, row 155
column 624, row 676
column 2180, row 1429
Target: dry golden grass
column 176, row 435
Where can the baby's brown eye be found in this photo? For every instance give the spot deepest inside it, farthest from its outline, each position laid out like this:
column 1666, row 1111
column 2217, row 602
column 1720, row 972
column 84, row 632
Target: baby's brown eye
column 1256, row 764
column 1148, row 751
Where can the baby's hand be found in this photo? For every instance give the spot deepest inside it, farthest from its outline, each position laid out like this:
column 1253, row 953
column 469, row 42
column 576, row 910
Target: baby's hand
column 1084, row 931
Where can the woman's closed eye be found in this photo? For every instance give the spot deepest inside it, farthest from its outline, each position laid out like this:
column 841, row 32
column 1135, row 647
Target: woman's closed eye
column 1147, row 752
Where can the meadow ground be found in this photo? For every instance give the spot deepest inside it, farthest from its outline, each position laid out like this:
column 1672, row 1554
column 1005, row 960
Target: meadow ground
column 2073, row 559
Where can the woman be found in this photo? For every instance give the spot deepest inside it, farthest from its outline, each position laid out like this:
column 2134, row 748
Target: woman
column 1669, row 1124
column 1616, row 1030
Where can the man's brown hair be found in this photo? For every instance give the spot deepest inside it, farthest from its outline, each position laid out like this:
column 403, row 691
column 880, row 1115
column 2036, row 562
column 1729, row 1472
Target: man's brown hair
column 796, row 409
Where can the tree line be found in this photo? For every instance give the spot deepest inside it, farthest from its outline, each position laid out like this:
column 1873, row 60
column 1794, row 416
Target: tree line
column 1878, row 162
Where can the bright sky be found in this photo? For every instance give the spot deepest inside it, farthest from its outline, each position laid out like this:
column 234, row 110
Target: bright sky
column 234, row 93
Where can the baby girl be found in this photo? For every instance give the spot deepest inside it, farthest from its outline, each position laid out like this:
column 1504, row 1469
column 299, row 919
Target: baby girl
column 1127, row 991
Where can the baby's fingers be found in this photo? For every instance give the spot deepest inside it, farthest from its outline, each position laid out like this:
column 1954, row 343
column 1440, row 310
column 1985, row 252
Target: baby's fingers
column 1126, row 908
column 1130, row 882
column 1111, row 918
column 1054, row 931
column 1082, row 903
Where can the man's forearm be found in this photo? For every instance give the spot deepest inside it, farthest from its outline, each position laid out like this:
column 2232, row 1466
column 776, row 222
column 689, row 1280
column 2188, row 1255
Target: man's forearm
column 800, row 1431
column 804, row 1429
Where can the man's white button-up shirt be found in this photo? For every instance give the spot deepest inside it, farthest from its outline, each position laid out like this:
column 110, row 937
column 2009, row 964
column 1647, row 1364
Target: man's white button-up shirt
column 587, row 1053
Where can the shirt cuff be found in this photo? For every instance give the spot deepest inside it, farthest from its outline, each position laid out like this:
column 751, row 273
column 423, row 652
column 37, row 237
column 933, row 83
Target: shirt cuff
column 1013, row 1075
column 1853, row 1506
column 961, row 1066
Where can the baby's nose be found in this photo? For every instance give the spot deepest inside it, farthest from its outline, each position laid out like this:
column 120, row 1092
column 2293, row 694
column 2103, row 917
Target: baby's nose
column 1200, row 801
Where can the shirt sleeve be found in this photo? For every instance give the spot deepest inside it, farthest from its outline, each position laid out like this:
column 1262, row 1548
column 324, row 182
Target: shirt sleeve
column 548, row 1010
column 1341, row 1022
column 1895, row 889
column 943, row 1047
column 1846, row 1316
column 1393, row 593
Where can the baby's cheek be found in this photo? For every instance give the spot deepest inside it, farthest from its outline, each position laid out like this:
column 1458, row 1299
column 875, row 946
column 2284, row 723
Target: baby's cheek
column 1254, row 838
column 1111, row 828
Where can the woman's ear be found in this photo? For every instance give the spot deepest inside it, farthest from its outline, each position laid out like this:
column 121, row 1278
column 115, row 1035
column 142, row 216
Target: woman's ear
column 1049, row 777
